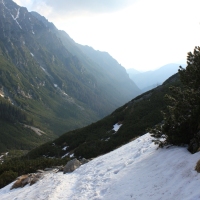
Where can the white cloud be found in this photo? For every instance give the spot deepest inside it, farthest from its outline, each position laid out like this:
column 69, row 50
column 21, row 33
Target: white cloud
column 102, row 6
column 142, row 35
column 25, row 3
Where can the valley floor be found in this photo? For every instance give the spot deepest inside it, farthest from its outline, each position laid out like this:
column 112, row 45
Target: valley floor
column 135, row 171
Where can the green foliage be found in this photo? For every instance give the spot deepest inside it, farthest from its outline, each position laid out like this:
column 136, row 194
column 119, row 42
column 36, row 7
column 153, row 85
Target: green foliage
column 14, row 136
column 182, row 119
column 99, row 138
column 10, row 113
column 6, row 177
column 13, row 168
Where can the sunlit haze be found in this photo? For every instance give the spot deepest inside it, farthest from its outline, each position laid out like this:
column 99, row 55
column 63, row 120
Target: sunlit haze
column 139, row 34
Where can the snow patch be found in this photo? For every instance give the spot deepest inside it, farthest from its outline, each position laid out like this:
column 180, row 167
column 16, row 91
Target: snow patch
column 116, row 127
column 136, row 170
column 65, row 155
column 16, row 17
column 4, row 4
column 36, row 130
column 65, row 148
column 72, row 155
column 2, row 155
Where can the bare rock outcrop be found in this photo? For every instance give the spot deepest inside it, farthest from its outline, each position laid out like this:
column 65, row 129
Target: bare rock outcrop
column 74, row 164
column 71, row 166
column 30, row 179
column 26, row 179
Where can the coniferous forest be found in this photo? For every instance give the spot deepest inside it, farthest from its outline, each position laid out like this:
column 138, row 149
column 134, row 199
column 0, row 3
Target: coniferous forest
column 11, row 114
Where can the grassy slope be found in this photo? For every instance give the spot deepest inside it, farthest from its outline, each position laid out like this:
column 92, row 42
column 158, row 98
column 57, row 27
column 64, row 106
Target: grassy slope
column 52, row 115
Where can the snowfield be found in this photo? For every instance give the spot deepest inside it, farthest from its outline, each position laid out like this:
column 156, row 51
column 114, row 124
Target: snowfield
column 135, row 171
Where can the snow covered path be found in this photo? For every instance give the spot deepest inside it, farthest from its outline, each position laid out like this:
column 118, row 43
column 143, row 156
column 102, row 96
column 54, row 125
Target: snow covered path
column 135, row 171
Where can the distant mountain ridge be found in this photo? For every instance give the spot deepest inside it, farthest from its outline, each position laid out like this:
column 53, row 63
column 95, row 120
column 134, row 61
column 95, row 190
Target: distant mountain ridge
column 132, row 71
column 45, row 73
column 151, row 79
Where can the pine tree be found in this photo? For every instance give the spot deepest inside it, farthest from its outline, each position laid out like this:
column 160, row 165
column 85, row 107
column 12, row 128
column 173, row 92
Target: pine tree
column 182, row 120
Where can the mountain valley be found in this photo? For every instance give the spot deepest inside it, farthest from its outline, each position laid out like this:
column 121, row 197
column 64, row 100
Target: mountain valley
column 63, row 103
column 56, row 83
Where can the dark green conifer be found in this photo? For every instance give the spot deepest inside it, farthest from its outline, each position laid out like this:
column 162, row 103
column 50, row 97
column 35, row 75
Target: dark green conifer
column 182, row 119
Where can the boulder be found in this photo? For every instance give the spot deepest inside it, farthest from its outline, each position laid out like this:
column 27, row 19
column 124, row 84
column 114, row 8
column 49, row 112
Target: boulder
column 20, row 182
column 58, row 168
column 27, row 179
column 34, row 180
column 40, row 171
column 84, row 161
column 71, row 166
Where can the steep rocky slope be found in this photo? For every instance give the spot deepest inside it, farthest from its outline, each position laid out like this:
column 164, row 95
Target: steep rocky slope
column 45, row 73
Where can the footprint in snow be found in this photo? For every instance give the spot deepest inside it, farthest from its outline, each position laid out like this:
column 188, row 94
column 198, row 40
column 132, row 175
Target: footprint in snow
column 97, row 171
column 130, row 162
column 109, row 169
column 116, row 171
column 119, row 169
column 106, row 180
column 137, row 154
column 101, row 174
column 103, row 191
column 99, row 163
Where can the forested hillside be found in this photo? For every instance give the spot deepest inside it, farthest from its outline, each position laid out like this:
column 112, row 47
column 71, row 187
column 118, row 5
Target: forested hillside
column 134, row 118
column 14, row 134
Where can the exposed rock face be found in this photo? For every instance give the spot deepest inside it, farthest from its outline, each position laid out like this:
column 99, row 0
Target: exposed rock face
column 33, row 178
column 26, row 179
column 71, row 166
column 194, row 145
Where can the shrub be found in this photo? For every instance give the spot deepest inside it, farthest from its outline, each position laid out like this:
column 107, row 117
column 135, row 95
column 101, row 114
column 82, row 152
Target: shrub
column 7, row 177
column 182, row 120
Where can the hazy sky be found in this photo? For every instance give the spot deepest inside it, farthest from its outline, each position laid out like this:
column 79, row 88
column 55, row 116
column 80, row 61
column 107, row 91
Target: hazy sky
column 139, row 34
